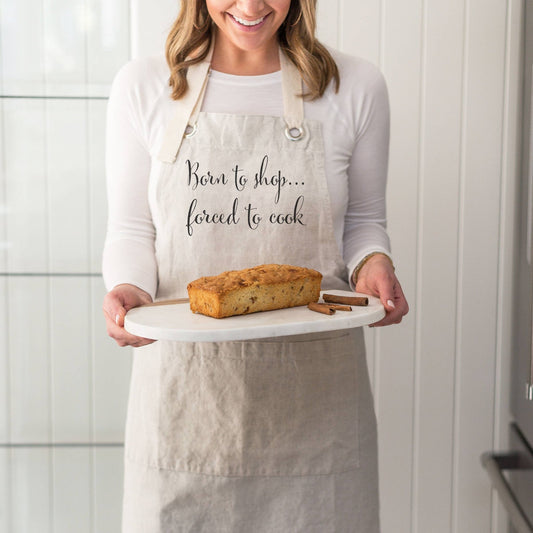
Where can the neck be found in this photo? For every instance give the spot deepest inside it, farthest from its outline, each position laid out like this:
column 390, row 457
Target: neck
column 232, row 60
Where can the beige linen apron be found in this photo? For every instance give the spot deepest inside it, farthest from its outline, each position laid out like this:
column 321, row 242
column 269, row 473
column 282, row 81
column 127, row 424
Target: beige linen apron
column 262, row 436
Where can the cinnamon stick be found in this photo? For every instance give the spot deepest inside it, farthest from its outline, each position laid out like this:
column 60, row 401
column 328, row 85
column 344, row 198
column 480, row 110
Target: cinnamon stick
column 321, row 308
column 338, row 307
column 166, row 302
column 349, row 300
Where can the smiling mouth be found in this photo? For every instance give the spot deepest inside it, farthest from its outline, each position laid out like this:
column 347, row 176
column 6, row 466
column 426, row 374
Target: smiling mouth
column 248, row 23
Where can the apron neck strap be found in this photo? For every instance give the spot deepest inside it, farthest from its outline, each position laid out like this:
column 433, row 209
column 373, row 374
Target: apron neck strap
column 197, row 76
column 293, row 103
column 183, row 123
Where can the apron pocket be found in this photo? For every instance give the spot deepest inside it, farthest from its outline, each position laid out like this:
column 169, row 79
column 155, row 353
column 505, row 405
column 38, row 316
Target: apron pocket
column 260, row 408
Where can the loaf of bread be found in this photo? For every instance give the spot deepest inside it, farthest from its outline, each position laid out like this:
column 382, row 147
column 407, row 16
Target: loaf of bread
column 261, row 288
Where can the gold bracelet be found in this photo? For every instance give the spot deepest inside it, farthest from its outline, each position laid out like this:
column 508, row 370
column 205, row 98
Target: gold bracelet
column 364, row 261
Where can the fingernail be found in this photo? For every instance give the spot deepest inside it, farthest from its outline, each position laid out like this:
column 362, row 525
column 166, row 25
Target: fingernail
column 117, row 318
column 390, row 303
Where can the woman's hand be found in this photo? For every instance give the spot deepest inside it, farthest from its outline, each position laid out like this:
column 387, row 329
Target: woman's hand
column 117, row 303
column 377, row 278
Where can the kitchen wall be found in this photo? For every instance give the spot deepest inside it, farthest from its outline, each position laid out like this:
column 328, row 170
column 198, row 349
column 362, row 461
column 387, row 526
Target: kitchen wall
column 440, row 379
column 63, row 384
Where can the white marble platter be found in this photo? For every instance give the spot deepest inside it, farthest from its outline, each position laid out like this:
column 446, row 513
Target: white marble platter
column 177, row 322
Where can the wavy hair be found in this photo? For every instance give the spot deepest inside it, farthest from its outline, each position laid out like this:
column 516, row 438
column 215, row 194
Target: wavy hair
column 190, row 38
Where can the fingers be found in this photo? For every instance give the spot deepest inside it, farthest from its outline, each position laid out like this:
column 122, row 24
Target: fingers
column 121, row 336
column 395, row 304
column 116, row 304
column 113, row 309
column 378, row 279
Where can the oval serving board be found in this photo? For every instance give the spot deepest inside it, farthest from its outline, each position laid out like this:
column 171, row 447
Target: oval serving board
column 177, row 322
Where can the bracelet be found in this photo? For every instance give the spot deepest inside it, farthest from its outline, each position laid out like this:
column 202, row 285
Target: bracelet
column 364, row 261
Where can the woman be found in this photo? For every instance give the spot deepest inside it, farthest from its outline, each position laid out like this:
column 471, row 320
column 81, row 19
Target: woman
column 225, row 168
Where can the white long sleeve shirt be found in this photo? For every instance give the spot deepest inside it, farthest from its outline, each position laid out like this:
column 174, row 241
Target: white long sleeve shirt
column 355, row 125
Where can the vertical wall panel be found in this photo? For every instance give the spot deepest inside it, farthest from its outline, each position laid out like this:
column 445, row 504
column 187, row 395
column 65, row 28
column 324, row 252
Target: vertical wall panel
column 480, row 244
column 31, row 494
column 108, row 41
column 437, row 273
column 150, row 27
column 72, row 490
column 4, row 364
column 23, row 71
column 395, row 354
column 5, row 490
column 3, row 191
column 328, row 28
column 67, row 173
column 25, row 161
column 64, row 27
column 97, row 201
column 360, row 28
column 511, row 169
column 70, row 347
column 28, row 301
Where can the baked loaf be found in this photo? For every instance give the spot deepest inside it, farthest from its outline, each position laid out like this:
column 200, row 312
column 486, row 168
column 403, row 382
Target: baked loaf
column 261, row 288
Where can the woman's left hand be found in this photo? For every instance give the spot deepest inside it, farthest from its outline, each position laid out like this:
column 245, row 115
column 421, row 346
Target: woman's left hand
column 377, row 278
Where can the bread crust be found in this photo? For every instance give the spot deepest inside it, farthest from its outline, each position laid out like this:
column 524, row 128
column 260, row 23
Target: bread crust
column 260, row 288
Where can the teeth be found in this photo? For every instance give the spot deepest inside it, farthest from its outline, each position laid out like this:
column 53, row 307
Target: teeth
column 248, row 22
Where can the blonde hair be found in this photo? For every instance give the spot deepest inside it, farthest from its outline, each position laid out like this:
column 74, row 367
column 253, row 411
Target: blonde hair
column 191, row 35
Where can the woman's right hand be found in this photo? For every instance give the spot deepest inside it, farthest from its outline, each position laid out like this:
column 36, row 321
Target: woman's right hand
column 117, row 303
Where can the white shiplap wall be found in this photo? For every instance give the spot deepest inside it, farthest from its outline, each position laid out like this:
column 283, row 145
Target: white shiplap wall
column 440, row 379
column 63, row 384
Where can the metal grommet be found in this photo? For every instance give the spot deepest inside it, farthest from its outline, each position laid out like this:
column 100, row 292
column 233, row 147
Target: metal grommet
column 294, row 134
column 190, row 130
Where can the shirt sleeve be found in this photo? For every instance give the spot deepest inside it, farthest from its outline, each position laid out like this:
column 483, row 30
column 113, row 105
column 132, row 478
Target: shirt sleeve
column 365, row 220
column 128, row 255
